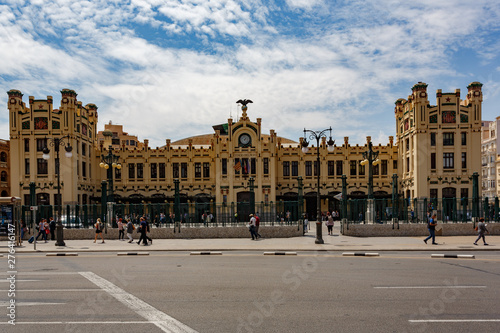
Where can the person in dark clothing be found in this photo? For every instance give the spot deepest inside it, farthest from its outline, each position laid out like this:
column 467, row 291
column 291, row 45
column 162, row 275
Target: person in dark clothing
column 144, row 230
column 431, row 226
column 481, row 230
column 52, row 227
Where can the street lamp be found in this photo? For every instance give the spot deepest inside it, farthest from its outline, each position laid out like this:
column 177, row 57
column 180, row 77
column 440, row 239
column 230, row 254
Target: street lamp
column 107, row 161
column 370, row 159
column 318, row 135
column 56, row 143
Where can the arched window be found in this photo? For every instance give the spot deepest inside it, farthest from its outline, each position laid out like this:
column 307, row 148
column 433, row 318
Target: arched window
column 3, row 176
column 3, row 157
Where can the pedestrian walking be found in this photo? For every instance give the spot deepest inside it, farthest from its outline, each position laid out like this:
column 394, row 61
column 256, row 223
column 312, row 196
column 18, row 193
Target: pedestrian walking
column 52, row 227
column 130, row 230
column 41, row 231
column 431, row 226
column 251, row 227
column 98, row 230
column 144, row 230
column 23, row 229
column 481, row 230
column 121, row 232
column 329, row 223
column 257, row 224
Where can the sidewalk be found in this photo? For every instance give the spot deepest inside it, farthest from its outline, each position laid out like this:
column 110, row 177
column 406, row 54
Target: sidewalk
column 337, row 242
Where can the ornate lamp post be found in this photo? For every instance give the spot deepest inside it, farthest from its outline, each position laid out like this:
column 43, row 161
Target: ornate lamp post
column 318, row 135
column 110, row 162
column 56, row 143
column 107, row 161
column 370, row 158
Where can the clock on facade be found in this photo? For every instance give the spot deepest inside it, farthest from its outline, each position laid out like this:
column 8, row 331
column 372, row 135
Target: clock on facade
column 244, row 139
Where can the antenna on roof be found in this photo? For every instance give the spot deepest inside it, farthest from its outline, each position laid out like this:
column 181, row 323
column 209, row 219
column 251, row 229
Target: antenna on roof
column 230, row 113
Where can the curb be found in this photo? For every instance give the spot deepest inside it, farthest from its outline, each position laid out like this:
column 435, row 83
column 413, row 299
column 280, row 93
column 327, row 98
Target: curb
column 58, row 254
column 205, row 253
column 132, row 253
column 280, row 253
column 360, row 254
column 466, row 256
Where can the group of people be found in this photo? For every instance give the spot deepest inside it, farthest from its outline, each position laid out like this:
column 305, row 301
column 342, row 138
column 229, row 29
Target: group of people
column 253, row 226
column 432, row 223
column 129, row 227
column 46, row 228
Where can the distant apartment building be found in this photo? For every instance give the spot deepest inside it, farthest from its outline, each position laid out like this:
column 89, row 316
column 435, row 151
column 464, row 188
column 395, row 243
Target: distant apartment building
column 4, row 168
column 489, row 151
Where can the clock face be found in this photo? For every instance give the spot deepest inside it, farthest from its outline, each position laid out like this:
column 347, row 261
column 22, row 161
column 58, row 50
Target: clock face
column 244, row 139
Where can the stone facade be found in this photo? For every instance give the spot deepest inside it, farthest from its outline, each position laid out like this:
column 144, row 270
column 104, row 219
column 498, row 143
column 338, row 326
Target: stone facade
column 439, row 145
column 238, row 159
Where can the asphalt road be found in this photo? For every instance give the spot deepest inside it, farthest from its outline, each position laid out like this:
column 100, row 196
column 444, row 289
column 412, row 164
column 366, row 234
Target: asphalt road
column 250, row 292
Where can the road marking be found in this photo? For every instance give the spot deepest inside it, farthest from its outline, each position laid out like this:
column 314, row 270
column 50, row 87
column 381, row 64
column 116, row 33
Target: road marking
column 455, row 321
column 132, row 254
column 75, row 322
column 21, row 280
column 151, row 314
column 55, row 290
column 360, row 254
column 430, row 287
column 202, row 253
column 2, row 304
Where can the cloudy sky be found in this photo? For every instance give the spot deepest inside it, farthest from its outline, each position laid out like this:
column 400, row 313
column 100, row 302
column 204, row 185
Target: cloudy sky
column 173, row 68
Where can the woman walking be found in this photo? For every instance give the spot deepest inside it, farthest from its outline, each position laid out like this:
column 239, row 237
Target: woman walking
column 329, row 223
column 121, row 232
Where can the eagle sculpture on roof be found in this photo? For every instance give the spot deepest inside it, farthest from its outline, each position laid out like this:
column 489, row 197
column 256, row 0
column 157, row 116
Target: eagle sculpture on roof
column 244, row 102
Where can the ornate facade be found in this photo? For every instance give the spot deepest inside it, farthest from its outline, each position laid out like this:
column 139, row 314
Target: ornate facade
column 237, row 159
column 439, row 145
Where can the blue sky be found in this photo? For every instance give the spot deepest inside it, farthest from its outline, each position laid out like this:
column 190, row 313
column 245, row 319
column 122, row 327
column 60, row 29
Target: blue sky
column 169, row 69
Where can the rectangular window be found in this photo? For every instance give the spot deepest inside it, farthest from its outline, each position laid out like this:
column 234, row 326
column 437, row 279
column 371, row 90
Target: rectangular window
column 184, row 170
column 40, row 144
column 316, row 169
column 26, row 166
column 197, row 170
column 395, row 166
column 407, row 164
column 118, row 173
column 26, row 145
column 352, row 168
column 224, row 166
column 331, row 168
column 84, row 169
column 42, row 166
column 131, row 171
column 175, row 170
column 253, row 168
column 361, row 168
column 433, row 139
column 237, row 166
column 266, row 165
column 161, row 167
column 206, row 170
column 84, row 149
column 464, row 160
column 286, row 169
column 308, row 168
column 433, row 161
column 448, row 139
column 154, row 170
column 384, row 167
column 295, row 168
column 407, row 144
column 140, row 170
column 376, row 170
column 339, row 168
column 448, row 161
column 464, row 193
column 433, row 194
column 464, row 138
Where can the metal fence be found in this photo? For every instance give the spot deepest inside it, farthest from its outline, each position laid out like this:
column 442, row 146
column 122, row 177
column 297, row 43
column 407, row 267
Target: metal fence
column 448, row 210
column 165, row 215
